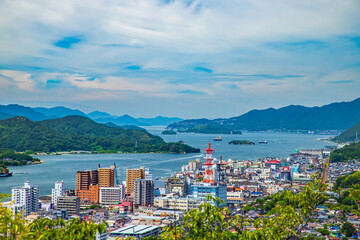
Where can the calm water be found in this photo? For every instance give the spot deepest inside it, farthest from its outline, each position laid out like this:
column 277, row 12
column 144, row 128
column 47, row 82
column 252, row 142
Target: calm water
column 64, row 167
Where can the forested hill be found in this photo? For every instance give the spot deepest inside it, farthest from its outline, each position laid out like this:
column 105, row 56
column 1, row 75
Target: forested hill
column 79, row 133
column 334, row 116
column 349, row 135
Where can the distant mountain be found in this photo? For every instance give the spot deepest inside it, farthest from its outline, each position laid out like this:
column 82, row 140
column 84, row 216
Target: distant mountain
column 18, row 110
column 97, row 114
column 349, row 135
column 58, row 111
column 110, row 124
column 123, row 120
column 79, row 133
column 334, row 116
column 41, row 113
column 5, row 115
column 159, row 120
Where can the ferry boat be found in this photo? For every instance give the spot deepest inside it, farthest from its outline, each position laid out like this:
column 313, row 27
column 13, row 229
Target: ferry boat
column 218, row 139
column 263, row 142
column 5, row 172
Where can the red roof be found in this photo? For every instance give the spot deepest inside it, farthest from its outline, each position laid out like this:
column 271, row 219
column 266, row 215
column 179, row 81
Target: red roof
column 273, row 161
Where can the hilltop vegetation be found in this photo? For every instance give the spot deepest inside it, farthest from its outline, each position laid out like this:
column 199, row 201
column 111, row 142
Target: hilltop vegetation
column 9, row 157
column 168, row 132
column 79, row 133
column 349, row 135
column 241, row 142
column 211, row 129
column 347, row 153
column 335, row 116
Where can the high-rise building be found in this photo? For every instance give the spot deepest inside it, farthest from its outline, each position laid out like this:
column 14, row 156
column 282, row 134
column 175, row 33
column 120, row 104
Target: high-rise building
column 107, row 177
column 89, row 182
column 85, row 178
column 25, row 198
column 144, row 192
column 112, row 195
column 131, row 176
column 70, row 204
column 58, row 191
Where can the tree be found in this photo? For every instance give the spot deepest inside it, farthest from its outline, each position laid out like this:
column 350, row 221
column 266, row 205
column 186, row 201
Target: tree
column 348, row 229
column 14, row 227
column 323, row 231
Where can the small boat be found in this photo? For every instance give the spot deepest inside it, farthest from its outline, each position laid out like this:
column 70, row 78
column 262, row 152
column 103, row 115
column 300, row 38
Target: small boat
column 263, row 142
column 218, row 138
column 5, row 172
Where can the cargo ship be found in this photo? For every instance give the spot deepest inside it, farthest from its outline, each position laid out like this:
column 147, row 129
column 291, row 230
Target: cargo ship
column 4, row 172
column 218, row 139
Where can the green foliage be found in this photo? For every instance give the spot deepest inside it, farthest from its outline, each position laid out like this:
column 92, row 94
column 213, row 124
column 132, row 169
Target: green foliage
column 350, row 181
column 323, row 231
column 349, row 135
column 347, row 153
column 241, row 142
column 168, row 132
column 9, row 157
column 207, row 128
column 348, row 229
column 14, row 227
column 79, row 133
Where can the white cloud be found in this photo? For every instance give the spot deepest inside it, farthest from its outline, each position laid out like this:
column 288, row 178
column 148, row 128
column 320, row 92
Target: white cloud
column 22, row 80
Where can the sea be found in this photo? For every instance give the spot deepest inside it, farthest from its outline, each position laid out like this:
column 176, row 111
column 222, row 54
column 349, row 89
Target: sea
column 64, row 167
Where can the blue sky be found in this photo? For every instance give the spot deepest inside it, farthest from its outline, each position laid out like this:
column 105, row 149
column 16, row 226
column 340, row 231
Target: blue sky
column 190, row 59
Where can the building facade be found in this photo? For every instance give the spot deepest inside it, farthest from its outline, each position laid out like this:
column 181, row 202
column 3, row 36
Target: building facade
column 131, row 176
column 25, row 198
column 143, row 192
column 70, row 204
column 178, row 185
column 58, row 191
column 112, row 195
column 106, row 177
column 202, row 190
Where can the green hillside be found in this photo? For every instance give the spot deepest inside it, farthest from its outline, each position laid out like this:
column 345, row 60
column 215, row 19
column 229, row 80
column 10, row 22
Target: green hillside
column 347, row 153
column 349, row 135
column 79, row 133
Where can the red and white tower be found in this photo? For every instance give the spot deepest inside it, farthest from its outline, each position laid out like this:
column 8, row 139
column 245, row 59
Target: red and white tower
column 209, row 170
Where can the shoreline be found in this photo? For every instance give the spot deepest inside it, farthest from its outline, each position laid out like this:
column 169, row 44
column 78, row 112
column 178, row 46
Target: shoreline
column 61, row 154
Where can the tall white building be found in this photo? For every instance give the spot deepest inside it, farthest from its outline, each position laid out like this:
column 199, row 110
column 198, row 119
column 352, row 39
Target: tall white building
column 25, row 198
column 111, row 195
column 58, row 191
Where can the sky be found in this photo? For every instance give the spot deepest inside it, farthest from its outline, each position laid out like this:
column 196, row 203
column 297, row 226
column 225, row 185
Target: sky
column 184, row 58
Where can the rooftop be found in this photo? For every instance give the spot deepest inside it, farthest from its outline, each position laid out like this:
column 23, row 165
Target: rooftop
column 134, row 229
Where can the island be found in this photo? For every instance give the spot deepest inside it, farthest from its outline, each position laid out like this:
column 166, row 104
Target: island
column 168, row 132
column 9, row 158
column 81, row 134
column 209, row 129
column 241, row 142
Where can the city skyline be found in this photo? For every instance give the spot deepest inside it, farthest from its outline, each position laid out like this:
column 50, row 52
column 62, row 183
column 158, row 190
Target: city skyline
column 179, row 58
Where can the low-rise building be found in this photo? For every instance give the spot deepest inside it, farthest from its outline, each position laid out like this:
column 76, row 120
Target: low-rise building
column 136, row 231
column 111, row 195
column 71, row 204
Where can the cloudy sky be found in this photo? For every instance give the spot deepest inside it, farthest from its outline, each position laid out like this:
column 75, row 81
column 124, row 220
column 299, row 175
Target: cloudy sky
column 191, row 59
